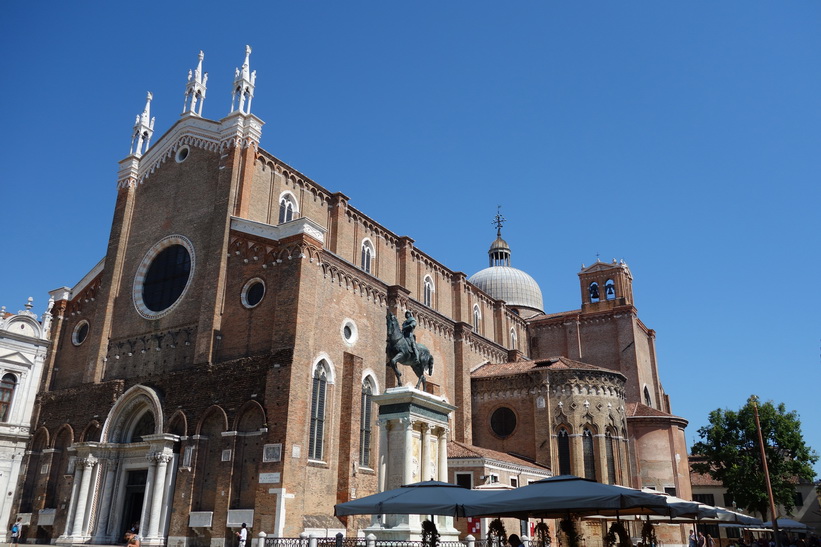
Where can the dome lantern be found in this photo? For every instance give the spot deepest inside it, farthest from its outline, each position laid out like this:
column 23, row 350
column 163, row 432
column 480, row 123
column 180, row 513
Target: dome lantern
column 503, row 282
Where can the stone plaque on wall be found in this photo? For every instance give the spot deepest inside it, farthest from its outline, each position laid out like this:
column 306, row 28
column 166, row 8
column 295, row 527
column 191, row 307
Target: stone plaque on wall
column 269, row 478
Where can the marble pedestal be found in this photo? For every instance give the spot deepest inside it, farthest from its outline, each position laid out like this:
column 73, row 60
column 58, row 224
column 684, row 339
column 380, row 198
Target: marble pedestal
column 413, row 447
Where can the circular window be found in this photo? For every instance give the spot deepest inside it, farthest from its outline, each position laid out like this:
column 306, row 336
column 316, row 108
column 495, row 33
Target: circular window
column 182, row 154
column 80, row 333
column 350, row 333
column 252, row 292
column 163, row 277
column 503, row 421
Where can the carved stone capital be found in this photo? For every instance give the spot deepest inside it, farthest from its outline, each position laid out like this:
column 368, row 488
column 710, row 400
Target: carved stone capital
column 87, row 462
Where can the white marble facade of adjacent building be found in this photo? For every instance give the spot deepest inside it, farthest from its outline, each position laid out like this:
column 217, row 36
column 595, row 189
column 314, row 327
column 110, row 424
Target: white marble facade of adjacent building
column 23, row 345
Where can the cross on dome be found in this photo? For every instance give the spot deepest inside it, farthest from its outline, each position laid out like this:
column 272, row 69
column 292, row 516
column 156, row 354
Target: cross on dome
column 499, row 221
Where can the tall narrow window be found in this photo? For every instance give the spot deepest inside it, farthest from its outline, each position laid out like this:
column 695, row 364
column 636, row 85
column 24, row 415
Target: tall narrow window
column 610, row 456
column 647, row 400
column 7, row 387
column 428, row 294
column 367, row 255
column 365, row 424
column 589, row 456
column 477, row 319
column 513, row 339
column 317, row 433
column 287, row 207
column 564, row 452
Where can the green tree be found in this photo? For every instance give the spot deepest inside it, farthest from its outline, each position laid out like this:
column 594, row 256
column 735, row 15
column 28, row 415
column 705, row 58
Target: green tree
column 733, row 456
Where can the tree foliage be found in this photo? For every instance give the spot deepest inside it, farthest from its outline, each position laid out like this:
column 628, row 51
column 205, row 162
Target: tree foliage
column 732, row 454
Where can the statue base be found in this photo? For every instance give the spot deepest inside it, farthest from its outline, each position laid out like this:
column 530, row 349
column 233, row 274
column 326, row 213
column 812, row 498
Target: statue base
column 409, row 528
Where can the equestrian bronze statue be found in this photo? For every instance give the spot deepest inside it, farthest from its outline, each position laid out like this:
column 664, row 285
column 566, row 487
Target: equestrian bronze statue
column 402, row 348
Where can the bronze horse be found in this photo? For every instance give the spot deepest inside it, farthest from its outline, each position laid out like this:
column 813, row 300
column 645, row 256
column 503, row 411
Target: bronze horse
column 399, row 351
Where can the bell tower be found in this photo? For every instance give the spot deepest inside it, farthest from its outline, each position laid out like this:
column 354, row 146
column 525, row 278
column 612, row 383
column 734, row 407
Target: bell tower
column 606, row 285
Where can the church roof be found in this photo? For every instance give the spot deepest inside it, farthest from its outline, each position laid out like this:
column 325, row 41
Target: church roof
column 553, row 315
column 517, row 367
column 640, row 409
column 461, row 450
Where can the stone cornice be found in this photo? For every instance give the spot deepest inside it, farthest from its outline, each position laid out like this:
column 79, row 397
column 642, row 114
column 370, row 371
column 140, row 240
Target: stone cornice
column 277, row 232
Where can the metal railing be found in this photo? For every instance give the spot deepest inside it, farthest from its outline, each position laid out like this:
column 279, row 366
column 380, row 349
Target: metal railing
column 341, row 541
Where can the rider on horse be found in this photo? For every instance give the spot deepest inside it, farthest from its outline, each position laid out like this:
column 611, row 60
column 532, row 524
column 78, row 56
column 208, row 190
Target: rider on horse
column 407, row 331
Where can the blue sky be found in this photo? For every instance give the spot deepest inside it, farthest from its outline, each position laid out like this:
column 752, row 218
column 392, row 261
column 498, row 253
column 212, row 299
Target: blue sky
column 682, row 137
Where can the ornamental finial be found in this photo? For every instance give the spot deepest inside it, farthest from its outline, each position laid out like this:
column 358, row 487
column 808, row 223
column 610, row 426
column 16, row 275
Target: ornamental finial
column 195, row 89
column 143, row 129
column 244, row 81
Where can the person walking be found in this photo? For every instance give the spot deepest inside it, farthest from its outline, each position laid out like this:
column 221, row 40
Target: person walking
column 16, row 529
column 242, row 535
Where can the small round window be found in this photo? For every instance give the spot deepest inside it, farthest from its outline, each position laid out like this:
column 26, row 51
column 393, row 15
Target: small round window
column 163, row 277
column 253, row 292
column 80, row 333
column 350, row 333
column 182, row 154
column 503, row 421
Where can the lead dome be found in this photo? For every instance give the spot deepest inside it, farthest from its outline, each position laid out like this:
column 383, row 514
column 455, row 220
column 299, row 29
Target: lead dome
column 503, row 282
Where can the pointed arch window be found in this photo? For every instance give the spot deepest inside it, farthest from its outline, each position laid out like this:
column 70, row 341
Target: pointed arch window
column 365, row 434
column 428, row 291
column 7, row 387
column 513, row 339
column 589, row 455
column 563, row 444
column 593, row 291
column 368, row 255
column 317, row 433
column 610, row 456
column 610, row 289
column 477, row 319
column 647, row 400
column 287, row 207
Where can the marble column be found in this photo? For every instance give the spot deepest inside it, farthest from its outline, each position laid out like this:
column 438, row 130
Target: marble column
column 407, row 474
column 75, row 489
column 87, row 464
column 443, row 455
column 425, row 452
column 383, row 452
column 158, row 493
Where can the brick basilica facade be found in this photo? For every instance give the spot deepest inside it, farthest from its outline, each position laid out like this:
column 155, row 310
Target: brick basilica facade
column 218, row 365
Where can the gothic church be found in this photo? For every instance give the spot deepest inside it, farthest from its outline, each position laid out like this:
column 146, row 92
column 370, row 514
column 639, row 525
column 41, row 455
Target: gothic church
column 218, row 365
